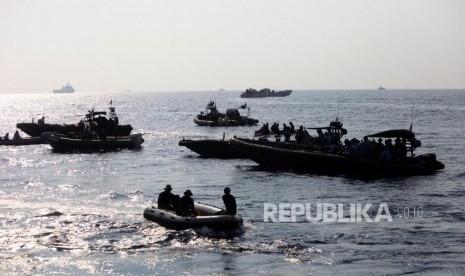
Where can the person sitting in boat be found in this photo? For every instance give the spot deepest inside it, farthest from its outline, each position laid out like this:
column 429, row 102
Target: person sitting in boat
column 320, row 135
column 363, row 148
column 229, row 202
column 81, row 124
column 41, row 121
column 385, row 155
column 275, row 128
column 299, row 135
column 187, row 208
column 287, row 133
column 400, row 150
column 387, row 152
column 352, row 152
column 347, row 146
column 291, row 127
column 327, row 139
column 389, row 146
column 264, row 130
column 16, row 136
column 167, row 200
column 6, row 137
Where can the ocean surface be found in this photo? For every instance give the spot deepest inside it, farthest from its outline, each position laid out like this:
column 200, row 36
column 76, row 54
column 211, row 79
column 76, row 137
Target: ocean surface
column 81, row 214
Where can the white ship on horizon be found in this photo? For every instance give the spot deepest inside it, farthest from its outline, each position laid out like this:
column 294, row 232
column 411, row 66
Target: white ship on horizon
column 65, row 89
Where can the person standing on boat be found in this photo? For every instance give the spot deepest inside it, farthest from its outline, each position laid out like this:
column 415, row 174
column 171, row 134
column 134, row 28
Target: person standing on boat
column 113, row 122
column 16, row 136
column 287, row 133
column 291, row 126
column 229, row 202
column 166, row 200
column 187, row 208
column 299, row 135
column 102, row 125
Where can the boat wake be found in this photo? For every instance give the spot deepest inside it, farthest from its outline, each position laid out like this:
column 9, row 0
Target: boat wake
column 48, row 232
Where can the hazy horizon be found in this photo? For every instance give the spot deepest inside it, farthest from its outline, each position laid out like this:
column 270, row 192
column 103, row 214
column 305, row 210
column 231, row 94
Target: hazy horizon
column 204, row 45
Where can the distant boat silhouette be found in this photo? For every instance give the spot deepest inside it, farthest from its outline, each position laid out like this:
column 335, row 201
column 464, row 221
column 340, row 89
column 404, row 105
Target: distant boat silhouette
column 263, row 93
column 381, row 88
column 65, row 89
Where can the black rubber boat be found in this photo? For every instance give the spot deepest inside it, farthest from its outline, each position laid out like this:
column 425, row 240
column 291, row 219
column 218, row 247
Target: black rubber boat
column 112, row 126
column 66, row 144
column 206, row 218
column 289, row 157
column 35, row 130
column 212, row 148
column 212, row 117
column 23, row 141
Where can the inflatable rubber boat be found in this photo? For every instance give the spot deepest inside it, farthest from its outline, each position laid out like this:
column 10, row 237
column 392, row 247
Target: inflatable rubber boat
column 206, row 217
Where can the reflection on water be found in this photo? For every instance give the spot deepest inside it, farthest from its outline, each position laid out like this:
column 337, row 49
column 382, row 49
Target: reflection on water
column 82, row 213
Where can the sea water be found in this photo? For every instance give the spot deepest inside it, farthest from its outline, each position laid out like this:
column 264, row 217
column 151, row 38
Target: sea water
column 78, row 214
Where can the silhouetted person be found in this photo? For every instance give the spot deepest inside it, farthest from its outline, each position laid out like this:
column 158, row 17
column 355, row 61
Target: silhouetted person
column 113, row 122
column 102, row 125
column 166, row 200
column 287, row 134
column 16, row 136
column 264, row 130
column 291, row 126
column 6, row 137
column 385, row 155
column 275, row 128
column 229, row 202
column 400, row 151
column 299, row 135
column 187, row 204
column 327, row 138
column 364, row 148
column 86, row 132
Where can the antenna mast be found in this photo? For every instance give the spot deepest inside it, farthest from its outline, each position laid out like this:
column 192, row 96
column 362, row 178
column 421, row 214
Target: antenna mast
column 411, row 122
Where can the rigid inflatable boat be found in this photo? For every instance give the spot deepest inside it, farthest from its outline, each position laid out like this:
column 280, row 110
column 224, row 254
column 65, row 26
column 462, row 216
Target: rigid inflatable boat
column 207, row 217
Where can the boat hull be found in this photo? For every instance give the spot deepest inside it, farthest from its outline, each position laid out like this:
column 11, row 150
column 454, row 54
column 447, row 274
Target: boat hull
column 66, row 144
column 203, row 122
column 274, row 157
column 35, row 130
column 207, row 218
column 259, row 94
column 224, row 122
column 23, row 142
column 210, row 148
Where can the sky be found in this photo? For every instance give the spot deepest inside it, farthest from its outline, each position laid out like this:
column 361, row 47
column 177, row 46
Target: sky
column 195, row 45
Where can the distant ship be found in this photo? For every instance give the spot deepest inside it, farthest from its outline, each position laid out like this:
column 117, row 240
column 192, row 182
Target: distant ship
column 65, row 89
column 381, row 88
column 265, row 92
